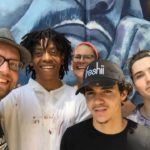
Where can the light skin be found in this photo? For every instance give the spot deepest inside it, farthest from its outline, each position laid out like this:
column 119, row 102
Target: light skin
column 47, row 61
column 8, row 77
column 80, row 65
column 105, row 107
column 141, row 80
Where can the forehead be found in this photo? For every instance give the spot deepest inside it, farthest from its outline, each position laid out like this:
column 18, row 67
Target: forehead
column 99, row 88
column 83, row 49
column 45, row 43
column 141, row 65
column 9, row 51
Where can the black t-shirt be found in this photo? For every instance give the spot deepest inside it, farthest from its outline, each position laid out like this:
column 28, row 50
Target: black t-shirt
column 84, row 136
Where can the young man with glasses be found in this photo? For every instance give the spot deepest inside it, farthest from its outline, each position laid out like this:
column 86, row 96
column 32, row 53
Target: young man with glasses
column 105, row 89
column 12, row 58
column 42, row 110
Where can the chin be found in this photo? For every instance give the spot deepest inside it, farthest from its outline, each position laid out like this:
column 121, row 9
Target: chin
column 101, row 120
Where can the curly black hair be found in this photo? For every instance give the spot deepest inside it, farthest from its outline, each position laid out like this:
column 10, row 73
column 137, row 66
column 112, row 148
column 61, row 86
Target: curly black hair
column 31, row 39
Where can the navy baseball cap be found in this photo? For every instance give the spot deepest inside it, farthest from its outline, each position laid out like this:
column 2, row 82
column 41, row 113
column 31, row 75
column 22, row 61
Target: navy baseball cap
column 104, row 73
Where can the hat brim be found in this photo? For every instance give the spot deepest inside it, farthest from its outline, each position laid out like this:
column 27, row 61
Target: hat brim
column 24, row 53
column 102, row 81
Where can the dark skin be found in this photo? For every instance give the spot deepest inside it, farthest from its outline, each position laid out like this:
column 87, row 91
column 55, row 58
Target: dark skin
column 46, row 62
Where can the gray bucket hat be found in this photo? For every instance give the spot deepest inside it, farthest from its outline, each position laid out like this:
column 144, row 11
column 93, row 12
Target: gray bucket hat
column 6, row 36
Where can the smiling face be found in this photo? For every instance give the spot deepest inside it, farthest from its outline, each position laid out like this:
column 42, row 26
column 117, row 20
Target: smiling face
column 47, row 61
column 83, row 55
column 104, row 104
column 8, row 77
column 141, row 76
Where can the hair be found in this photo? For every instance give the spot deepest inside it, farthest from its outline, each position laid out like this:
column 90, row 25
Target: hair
column 31, row 39
column 136, row 57
column 125, row 86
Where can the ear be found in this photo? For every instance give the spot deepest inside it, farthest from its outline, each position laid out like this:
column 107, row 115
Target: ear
column 124, row 95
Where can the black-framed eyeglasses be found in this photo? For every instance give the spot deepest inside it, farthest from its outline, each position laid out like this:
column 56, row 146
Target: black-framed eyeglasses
column 13, row 64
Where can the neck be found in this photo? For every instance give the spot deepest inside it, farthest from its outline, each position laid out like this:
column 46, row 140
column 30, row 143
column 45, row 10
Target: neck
column 145, row 110
column 50, row 85
column 111, row 127
column 79, row 83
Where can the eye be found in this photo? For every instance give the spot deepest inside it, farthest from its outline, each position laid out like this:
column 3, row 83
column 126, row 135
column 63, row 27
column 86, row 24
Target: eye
column 89, row 94
column 14, row 65
column 38, row 53
column 107, row 91
column 77, row 56
column 88, row 56
column 138, row 76
column 53, row 52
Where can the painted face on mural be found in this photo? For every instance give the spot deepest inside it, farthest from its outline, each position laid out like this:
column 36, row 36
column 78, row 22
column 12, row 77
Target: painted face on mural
column 73, row 18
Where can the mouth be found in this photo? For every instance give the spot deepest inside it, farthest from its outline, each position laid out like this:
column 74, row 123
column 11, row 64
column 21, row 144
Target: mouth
column 3, row 81
column 101, row 109
column 79, row 25
column 81, row 67
column 47, row 67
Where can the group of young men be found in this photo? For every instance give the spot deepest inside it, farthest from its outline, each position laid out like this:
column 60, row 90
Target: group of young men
column 45, row 113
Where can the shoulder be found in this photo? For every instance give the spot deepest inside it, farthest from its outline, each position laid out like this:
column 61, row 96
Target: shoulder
column 15, row 95
column 138, row 136
column 78, row 128
column 71, row 92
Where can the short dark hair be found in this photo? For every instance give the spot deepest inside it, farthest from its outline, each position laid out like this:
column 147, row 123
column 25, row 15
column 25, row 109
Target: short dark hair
column 139, row 55
column 125, row 86
column 31, row 39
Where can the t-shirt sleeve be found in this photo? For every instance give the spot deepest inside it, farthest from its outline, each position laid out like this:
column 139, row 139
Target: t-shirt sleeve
column 82, row 112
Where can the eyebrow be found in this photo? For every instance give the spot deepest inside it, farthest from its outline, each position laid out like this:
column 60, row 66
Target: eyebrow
column 139, row 72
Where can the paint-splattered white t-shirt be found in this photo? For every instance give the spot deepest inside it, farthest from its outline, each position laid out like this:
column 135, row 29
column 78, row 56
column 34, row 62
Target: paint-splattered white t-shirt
column 35, row 119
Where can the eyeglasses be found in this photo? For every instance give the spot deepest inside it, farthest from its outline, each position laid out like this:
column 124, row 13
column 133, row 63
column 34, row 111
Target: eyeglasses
column 13, row 64
column 39, row 52
column 85, row 57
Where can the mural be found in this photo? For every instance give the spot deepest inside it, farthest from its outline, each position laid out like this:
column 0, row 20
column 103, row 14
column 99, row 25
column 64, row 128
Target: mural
column 116, row 27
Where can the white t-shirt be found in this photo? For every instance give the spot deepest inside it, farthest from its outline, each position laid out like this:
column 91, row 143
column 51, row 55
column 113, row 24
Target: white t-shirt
column 35, row 119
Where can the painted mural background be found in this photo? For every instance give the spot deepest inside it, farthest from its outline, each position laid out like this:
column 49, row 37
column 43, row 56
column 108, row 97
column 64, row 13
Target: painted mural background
column 118, row 28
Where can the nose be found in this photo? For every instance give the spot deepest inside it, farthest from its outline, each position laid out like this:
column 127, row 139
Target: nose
column 46, row 56
column 99, row 99
column 148, row 76
column 82, row 59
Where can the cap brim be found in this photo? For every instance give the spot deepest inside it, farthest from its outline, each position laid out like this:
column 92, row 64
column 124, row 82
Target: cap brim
column 102, row 81
column 24, row 53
